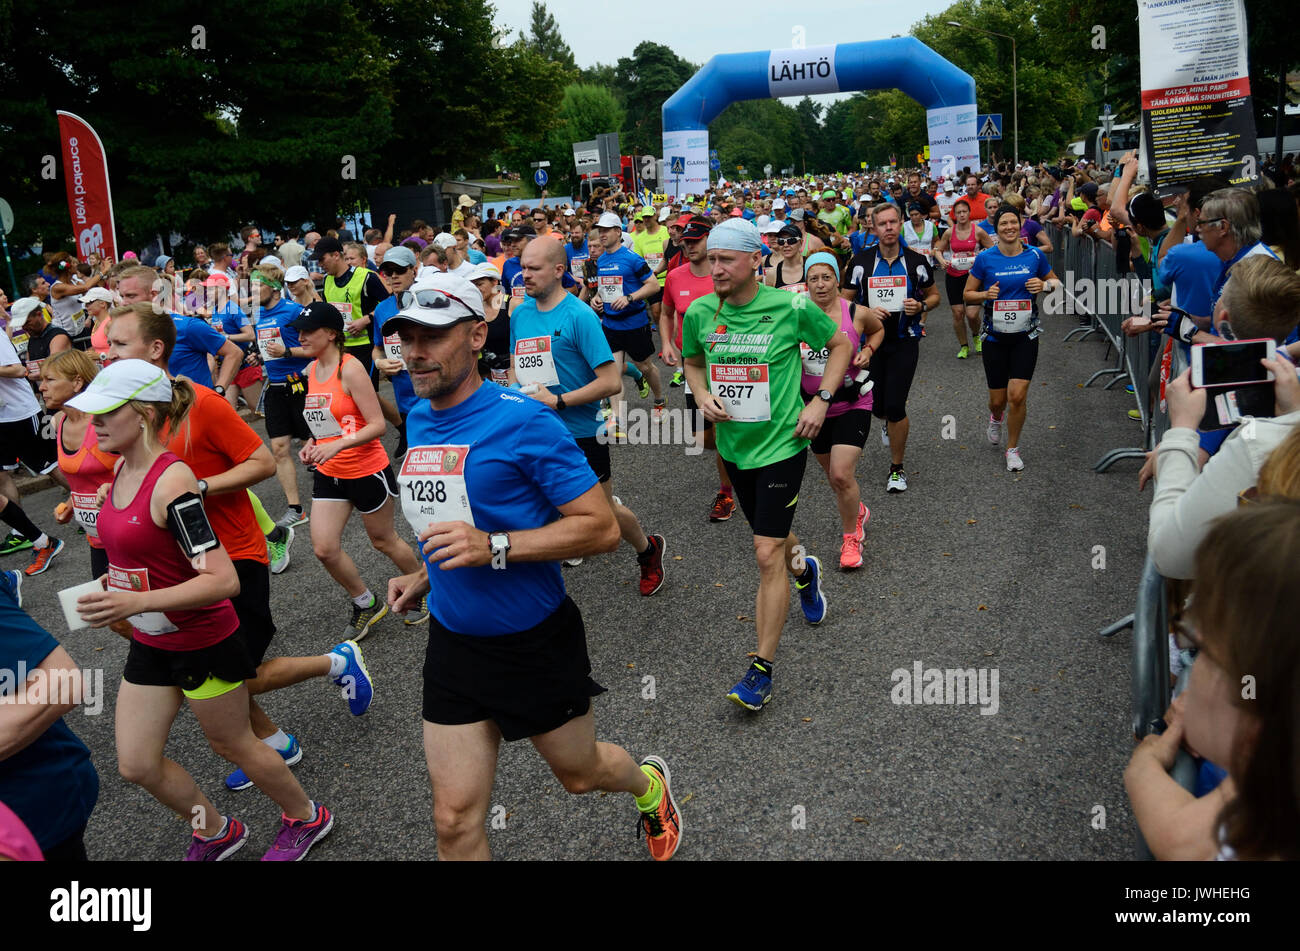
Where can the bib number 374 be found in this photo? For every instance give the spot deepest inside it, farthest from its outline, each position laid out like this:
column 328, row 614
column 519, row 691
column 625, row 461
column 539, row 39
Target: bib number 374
column 432, row 481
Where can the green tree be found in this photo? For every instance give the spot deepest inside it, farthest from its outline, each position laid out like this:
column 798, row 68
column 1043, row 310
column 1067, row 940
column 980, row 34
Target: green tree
column 585, row 111
column 647, row 79
column 545, row 39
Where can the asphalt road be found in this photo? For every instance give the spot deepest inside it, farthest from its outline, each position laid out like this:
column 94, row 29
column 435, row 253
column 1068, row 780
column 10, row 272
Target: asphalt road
column 972, row 567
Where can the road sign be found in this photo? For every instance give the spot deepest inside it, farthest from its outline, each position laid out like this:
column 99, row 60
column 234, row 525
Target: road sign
column 989, row 126
column 540, row 164
column 6, row 217
column 767, row 170
column 541, row 178
column 1106, row 109
column 586, row 156
column 1105, row 143
column 677, row 165
column 864, row 164
column 714, row 164
column 713, row 153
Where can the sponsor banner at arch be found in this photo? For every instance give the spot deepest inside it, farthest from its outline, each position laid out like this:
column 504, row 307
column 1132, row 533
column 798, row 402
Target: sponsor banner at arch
column 693, row 145
column 90, row 204
column 954, row 142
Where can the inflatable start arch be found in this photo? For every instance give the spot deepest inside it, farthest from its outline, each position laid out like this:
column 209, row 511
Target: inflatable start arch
column 905, row 63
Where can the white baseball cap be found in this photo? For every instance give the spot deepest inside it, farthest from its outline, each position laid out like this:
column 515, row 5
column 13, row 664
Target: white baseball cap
column 778, row 203
column 437, row 299
column 296, row 273
column 21, row 309
column 119, row 383
column 272, row 260
column 609, row 220
column 97, row 293
column 484, row 271
column 444, row 240
column 665, row 212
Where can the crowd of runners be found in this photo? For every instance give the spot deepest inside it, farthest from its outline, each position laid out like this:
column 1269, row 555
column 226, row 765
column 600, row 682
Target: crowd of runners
column 791, row 312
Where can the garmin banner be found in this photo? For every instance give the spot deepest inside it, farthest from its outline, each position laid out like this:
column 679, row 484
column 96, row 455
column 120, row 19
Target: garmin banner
column 905, row 63
column 1197, row 117
column 90, row 204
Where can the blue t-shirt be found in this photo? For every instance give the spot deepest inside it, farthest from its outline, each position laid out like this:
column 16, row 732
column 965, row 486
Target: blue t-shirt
column 1010, row 274
column 1259, row 247
column 1190, row 271
column 862, row 239
column 51, row 783
column 520, row 465
column 512, row 277
column 280, row 316
column 578, row 346
column 580, row 254
column 403, row 392
column 621, row 274
column 232, row 322
column 195, row 339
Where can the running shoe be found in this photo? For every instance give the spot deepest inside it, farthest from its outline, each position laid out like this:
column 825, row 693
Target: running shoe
column 659, row 410
column 605, row 411
column 677, row 379
column 963, row 353
column 42, row 557
column 864, row 516
column 419, row 617
column 851, row 552
column 643, row 387
column 363, row 619
column 724, row 506
column 897, row 480
column 14, row 542
column 663, row 826
column 358, row 688
column 979, row 344
column 1135, row 414
column 754, row 690
column 279, row 551
column 572, row 562
column 11, row 584
column 297, row 836
column 230, row 841
column 652, row 567
column 811, row 598
column 995, row 429
column 239, row 779
column 292, row 519
column 1013, row 461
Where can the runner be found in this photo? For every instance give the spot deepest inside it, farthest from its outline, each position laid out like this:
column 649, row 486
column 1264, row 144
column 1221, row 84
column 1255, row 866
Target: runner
column 788, row 272
column 238, row 328
column 624, row 286
column 898, row 284
column 557, row 347
column 957, row 248
column 350, row 466
column 919, row 232
column 741, row 347
column 354, row 292
column 1007, row 279
column 652, row 245
column 509, row 466
column 838, row 446
column 171, row 577
column 487, row 281
column 684, row 286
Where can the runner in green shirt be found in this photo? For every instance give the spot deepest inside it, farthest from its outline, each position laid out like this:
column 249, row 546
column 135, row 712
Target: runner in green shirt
column 834, row 214
column 740, row 348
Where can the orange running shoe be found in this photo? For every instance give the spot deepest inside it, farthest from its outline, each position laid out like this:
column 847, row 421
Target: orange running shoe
column 851, row 552
column 663, row 827
column 864, row 516
column 723, row 507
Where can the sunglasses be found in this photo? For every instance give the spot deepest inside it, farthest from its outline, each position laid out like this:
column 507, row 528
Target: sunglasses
column 392, row 271
column 430, row 298
column 788, row 242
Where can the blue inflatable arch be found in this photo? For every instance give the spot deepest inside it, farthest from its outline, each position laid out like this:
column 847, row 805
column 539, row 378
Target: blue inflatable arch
column 905, row 63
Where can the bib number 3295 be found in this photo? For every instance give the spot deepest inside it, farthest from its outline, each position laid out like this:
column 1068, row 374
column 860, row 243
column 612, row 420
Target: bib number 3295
column 432, row 481
column 534, row 362
column 744, row 390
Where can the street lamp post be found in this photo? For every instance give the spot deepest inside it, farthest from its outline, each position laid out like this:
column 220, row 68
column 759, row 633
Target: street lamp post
column 1015, row 90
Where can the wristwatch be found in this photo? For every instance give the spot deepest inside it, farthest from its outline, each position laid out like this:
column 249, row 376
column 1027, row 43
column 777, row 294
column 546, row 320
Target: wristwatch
column 221, row 390
column 559, row 402
column 826, row 395
column 203, row 488
column 499, row 542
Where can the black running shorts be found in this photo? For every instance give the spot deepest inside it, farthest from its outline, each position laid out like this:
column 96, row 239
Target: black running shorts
column 769, row 494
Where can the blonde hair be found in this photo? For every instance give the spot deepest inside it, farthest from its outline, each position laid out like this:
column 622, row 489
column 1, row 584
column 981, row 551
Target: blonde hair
column 165, row 415
column 1262, row 298
column 1279, row 477
column 72, row 365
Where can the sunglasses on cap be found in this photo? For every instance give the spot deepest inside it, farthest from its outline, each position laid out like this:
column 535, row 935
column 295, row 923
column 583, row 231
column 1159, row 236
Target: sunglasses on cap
column 428, row 297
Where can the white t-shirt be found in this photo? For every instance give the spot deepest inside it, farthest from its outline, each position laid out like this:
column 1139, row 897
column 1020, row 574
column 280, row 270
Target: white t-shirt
column 17, row 401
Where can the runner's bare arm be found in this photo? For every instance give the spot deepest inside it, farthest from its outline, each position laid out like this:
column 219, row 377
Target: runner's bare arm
column 25, row 718
column 709, row 404
column 232, row 358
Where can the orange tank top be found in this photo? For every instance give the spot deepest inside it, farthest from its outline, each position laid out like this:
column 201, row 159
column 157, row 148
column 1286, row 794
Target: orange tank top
column 86, row 470
column 331, row 413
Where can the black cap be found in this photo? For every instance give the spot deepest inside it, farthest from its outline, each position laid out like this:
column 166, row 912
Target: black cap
column 318, row 314
column 789, row 231
column 326, row 245
column 1146, row 209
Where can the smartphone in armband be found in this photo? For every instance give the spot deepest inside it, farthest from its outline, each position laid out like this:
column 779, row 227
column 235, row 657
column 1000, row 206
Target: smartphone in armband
column 190, row 526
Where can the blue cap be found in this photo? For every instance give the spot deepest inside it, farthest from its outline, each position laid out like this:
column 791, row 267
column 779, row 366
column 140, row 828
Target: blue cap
column 162, row 261
column 822, row 257
column 735, row 234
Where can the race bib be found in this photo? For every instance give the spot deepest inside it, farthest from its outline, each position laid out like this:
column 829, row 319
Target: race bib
column 534, row 362
column 654, row 260
column 611, row 287
column 814, row 361
column 962, row 262
column 137, row 579
column 500, row 377
column 264, row 336
column 432, row 481
column 350, row 337
column 1011, row 316
column 517, row 292
column 575, row 267
column 34, row 366
column 319, row 419
column 744, row 390
column 887, row 293
column 85, row 513
column 393, row 349
column 800, row 288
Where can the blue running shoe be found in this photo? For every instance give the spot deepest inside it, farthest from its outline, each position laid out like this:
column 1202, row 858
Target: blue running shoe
column 754, row 690
column 11, row 584
column 239, row 779
column 358, row 689
column 811, row 598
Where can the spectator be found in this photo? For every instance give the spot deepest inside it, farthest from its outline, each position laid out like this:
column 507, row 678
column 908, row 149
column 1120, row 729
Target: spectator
column 1280, row 225
column 1229, row 226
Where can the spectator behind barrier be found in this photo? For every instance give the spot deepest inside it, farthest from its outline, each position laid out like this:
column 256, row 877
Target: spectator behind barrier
column 1262, row 299
column 1242, row 704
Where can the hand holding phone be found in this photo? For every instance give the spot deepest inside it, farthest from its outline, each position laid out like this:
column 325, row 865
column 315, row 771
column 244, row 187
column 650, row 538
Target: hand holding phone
column 1232, row 364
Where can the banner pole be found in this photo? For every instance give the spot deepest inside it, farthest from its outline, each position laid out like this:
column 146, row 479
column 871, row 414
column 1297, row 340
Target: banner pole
column 10, row 265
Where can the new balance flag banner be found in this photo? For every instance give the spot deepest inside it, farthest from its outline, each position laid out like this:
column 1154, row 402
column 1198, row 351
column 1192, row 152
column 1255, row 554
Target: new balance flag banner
column 89, row 202
column 1196, row 110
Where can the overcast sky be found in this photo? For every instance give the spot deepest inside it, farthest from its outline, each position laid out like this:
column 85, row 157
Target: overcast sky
column 697, row 30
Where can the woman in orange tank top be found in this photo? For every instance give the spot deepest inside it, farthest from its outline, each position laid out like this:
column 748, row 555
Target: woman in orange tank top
column 350, row 465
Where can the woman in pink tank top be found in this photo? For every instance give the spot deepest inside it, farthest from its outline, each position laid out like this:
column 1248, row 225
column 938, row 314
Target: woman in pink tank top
column 957, row 247
column 170, row 577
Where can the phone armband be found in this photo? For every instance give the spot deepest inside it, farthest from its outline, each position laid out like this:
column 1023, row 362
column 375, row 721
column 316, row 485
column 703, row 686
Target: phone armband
column 190, row 526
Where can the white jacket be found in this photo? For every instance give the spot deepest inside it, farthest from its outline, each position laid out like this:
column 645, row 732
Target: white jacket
column 1186, row 502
